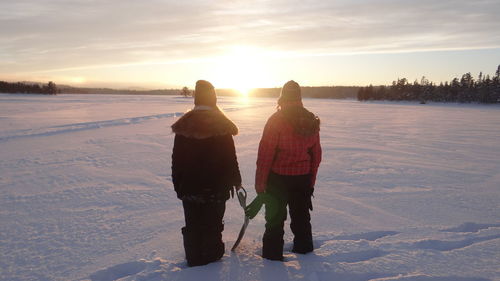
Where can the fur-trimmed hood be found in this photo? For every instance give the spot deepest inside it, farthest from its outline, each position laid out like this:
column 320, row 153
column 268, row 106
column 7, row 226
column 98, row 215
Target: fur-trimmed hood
column 202, row 124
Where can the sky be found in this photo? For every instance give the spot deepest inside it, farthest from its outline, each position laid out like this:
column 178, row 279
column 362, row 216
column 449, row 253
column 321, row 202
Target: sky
column 246, row 44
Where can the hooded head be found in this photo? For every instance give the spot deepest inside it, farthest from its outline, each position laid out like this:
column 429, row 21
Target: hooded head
column 203, row 122
column 304, row 122
column 204, row 94
column 290, row 94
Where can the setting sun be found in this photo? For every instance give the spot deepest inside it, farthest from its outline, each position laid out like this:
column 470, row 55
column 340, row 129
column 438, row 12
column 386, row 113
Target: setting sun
column 244, row 91
column 242, row 69
column 77, row 80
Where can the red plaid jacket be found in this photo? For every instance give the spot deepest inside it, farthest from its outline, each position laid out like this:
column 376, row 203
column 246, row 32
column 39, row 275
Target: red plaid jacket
column 285, row 153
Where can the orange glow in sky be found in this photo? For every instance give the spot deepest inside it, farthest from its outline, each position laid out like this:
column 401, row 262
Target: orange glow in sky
column 245, row 44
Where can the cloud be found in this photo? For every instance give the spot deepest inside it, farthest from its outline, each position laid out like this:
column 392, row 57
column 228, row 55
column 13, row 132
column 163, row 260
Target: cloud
column 40, row 35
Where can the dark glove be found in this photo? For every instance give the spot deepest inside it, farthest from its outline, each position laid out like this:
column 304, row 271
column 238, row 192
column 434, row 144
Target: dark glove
column 253, row 208
column 309, row 198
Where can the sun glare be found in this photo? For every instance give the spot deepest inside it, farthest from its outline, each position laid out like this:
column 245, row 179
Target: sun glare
column 244, row 91
column 77, row 80
column 242, row 69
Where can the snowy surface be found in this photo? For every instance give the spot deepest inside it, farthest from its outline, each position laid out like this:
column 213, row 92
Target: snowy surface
column 405, row 192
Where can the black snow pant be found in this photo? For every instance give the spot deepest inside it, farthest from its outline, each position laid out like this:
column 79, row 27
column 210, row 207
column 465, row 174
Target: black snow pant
column 294, row 191
column 203, row 232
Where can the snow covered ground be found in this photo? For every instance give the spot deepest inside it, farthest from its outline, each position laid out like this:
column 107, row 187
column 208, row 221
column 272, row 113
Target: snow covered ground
column 405, row 192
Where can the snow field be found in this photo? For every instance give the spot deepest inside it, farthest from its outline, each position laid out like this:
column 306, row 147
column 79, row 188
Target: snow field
column 405, row 192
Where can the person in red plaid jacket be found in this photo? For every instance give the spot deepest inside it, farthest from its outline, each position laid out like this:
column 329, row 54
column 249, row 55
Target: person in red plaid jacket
column 287, row 163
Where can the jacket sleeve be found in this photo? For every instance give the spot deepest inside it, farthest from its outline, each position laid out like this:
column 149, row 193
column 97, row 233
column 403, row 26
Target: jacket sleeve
column 235, row 175
column 315, row 159
column 177, row 165
column 265, row 156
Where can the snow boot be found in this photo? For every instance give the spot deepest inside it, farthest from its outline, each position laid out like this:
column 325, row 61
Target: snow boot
column 272, row 244
column 192, row 245
column 303, row 246
column 212, row 247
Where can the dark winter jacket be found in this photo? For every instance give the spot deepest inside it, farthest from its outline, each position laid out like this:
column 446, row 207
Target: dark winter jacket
column 204, row 164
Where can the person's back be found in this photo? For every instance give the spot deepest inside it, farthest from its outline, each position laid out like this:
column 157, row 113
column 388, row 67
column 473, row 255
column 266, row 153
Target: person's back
column 204, row 160
column 204, row 170
column 287, row 164
column 293, row 151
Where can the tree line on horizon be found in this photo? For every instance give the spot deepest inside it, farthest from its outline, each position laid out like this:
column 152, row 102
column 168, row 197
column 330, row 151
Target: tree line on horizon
column 331, row 92
column 28, row 88
column 110, row 91
column 484, row 89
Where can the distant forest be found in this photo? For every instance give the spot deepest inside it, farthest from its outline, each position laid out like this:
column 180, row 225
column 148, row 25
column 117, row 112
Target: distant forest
column 332, row 92
column 28, row 88
column 484, row 89
column 108, row 91
column 337, row 92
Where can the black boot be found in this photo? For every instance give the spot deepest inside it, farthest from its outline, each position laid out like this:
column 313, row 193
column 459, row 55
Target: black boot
column 212, row 247
column 302, row 246
column 272, row 248
column 272, row 241
column 301, row 228
column 192, row 246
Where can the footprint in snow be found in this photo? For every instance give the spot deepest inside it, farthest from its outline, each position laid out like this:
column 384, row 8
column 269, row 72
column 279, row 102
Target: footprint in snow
column 119, row 271
column 369, row 236
column 470, row 227
column 443, row 246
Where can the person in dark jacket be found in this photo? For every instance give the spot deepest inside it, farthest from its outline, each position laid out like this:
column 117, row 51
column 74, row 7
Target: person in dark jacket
column 204, row 173
column 287, row 163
